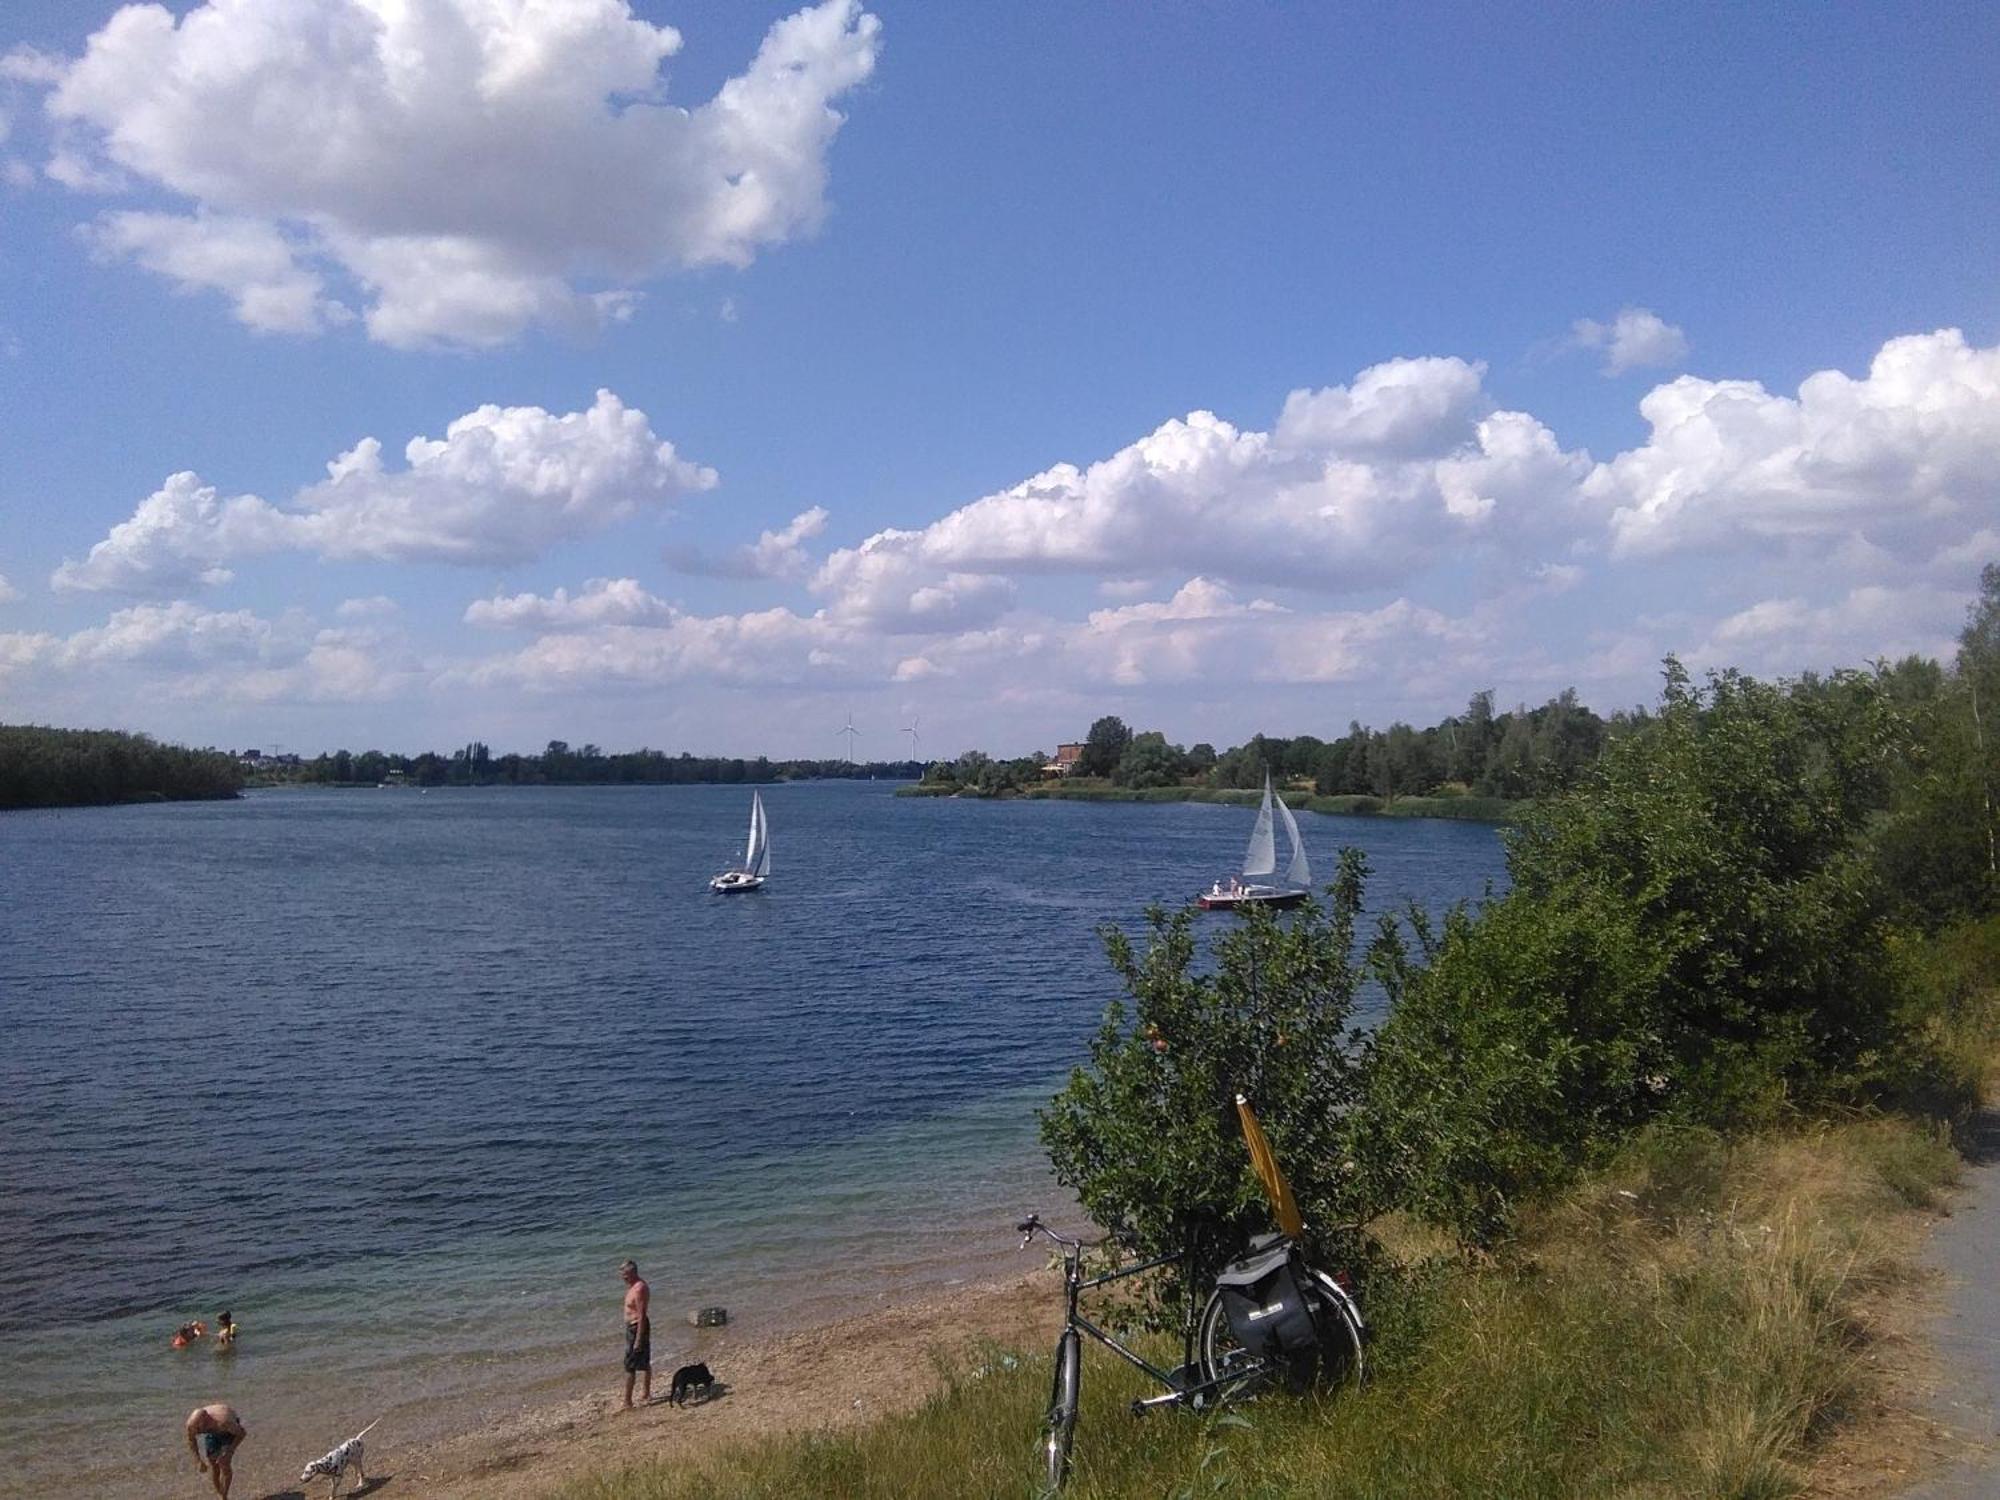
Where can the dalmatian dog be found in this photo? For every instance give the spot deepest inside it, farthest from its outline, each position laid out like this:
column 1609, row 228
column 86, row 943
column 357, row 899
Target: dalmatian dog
column 335, row 1465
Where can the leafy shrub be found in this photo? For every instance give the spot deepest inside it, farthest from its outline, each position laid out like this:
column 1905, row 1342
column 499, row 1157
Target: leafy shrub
column 1146, row 1132
column 1694, row 932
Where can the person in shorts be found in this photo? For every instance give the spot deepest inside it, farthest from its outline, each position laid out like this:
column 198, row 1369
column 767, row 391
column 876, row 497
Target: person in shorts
column 214, row 1433
column 638, row 1331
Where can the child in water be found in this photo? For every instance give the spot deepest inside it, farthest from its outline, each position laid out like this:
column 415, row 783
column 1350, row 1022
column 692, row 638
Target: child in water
column 225, row 1333
column 187, row 1333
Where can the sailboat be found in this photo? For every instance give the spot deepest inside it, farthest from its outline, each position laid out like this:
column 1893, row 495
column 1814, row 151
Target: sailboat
column 1261, row 860
column 756, row 856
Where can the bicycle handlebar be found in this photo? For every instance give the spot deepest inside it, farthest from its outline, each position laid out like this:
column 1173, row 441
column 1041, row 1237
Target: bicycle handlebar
column 1033, row 1225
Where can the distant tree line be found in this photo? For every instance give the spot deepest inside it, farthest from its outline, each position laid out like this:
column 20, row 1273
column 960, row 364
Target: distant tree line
column 87, row 767
column 474, row 764
column 1519, row 753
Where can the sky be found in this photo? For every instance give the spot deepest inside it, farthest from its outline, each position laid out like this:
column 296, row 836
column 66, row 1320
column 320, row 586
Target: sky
column 405, row 372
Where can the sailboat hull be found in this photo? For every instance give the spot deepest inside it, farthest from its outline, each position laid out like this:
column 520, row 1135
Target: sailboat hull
column 1249, row 896
column 735, row 883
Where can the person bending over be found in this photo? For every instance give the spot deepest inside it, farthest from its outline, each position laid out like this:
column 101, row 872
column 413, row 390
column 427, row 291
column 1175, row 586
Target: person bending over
column 214, row 1433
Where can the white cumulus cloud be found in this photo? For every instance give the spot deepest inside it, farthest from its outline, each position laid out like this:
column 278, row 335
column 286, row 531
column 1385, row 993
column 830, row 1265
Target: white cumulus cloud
column 1356, row 486
column 1904, row 463
column 1637, row 339
column 247, row 260
column 469, row 168
column 8, row 592
column 601, row 601
column 779, row 553
column 500, row 486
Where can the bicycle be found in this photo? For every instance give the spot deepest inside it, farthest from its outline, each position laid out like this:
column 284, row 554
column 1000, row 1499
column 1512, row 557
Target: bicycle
column 1212, row 1348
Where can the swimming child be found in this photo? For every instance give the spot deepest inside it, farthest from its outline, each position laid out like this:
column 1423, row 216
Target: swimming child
column 187, row 1333
column 225, row 1332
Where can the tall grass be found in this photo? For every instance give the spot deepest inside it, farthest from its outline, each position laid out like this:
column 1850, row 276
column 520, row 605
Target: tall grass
column 1685, row 1324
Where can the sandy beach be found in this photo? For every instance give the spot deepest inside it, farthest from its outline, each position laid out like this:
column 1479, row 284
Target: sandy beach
column 835, row 1376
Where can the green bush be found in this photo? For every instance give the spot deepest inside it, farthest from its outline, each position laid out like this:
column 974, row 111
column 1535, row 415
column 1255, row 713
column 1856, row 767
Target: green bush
column 1147, row 1132
column 1694, row 932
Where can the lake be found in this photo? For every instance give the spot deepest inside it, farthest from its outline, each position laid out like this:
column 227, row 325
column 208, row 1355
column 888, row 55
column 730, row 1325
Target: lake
column 398, row 1077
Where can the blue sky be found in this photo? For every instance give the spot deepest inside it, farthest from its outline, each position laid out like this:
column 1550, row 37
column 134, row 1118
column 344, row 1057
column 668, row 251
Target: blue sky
column 1529, row 345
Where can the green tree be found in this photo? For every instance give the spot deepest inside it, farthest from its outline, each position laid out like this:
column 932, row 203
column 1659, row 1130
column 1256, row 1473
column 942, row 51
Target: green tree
column 1149, row 761
column 1104, row 746
column 1695, row 931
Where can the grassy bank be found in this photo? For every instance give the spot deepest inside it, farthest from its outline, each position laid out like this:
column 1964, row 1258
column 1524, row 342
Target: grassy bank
column 1470, row 809
column 1694, row 1321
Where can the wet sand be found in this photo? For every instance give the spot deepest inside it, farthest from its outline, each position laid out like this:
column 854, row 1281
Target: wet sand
column 838, row 1376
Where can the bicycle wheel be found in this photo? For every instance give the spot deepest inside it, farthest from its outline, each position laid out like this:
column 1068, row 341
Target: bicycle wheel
column 1059, row 1428
column 1338, row 1361
column 1341, row 1361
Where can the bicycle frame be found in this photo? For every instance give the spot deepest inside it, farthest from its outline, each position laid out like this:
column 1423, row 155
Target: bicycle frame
column 1075, row 1285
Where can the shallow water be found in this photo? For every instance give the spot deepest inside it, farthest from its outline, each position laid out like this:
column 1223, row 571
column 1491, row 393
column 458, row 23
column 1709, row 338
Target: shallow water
column 399, row 1077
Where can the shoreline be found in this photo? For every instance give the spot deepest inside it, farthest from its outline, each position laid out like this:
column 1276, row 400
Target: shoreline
column 1459, row 809
column 825, row 1377
column 838, row 1375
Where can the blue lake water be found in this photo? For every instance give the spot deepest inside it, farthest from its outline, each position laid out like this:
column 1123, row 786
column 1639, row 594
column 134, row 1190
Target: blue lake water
column 399, row 1077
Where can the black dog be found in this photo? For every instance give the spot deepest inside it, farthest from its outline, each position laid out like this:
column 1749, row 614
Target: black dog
column 687, row 1380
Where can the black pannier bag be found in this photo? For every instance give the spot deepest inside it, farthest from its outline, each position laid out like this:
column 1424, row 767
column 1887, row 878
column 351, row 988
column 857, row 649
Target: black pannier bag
column 1267, row 1311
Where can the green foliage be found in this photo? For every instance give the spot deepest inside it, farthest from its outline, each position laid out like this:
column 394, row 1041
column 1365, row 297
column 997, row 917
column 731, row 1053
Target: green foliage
column 1149, row 761
column 1147, row 1132
column 1104, row 747
column 86, row 767
column 1695, row 932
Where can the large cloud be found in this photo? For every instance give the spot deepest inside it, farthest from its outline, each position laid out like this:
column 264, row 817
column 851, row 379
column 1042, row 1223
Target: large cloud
column 1904, row 463
column 466, row 167
column 181, row 650
column 1358, row 486
column 500, row 486
column 1201, row 634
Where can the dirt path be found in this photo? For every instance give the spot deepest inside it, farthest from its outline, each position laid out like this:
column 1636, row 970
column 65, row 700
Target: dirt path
column 838, row 1376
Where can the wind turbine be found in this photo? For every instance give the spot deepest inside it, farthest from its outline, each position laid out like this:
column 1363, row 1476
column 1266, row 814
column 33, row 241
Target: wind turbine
column 911, row 730
column 850, row 731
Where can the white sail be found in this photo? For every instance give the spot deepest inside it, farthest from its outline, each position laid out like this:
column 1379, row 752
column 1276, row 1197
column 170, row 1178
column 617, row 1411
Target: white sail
column 1298, row 872
column 1261, row 858
column 757, row 852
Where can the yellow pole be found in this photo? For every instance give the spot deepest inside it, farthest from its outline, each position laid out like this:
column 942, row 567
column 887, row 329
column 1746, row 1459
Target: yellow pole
column 1266, row 1167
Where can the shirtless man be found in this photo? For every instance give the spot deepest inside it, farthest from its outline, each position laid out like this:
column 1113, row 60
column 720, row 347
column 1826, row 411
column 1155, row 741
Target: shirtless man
column 214, row 1433
column 638, row 1331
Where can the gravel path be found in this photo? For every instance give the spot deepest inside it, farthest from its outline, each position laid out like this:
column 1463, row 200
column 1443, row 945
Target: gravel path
column 1966, row 1249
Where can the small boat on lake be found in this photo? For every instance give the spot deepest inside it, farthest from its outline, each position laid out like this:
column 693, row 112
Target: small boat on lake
column 1260, row 862
column 756, row 856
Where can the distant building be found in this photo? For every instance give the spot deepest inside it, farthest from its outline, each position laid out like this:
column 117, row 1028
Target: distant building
column 1065, row 762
